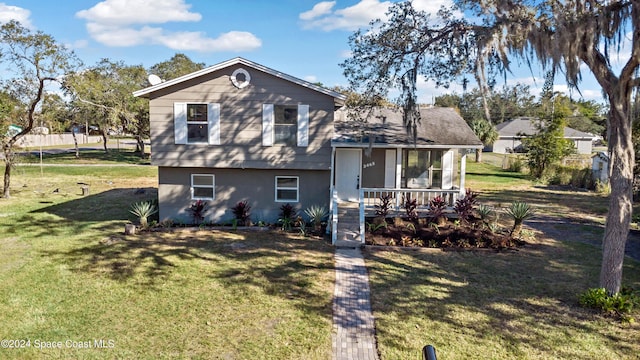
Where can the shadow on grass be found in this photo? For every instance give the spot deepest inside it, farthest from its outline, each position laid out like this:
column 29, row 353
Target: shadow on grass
column 515, row 298
column 276, row 263
column 96, row 211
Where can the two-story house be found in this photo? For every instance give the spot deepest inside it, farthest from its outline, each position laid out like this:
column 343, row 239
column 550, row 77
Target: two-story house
column 241, row 131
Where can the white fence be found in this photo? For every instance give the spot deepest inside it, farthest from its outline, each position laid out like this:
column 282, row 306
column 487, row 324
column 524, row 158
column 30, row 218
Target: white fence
column 31, row 141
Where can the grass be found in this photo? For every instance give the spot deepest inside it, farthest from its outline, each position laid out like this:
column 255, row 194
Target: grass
column 88, row 156
column 70, row 274
column 511, row 305
column 516, row 305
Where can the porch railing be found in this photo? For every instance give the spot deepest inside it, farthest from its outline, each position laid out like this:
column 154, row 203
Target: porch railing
column 334, row 216
column 370, row 197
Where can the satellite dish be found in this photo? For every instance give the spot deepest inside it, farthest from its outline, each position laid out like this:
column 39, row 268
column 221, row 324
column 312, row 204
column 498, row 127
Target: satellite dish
column 154, row 79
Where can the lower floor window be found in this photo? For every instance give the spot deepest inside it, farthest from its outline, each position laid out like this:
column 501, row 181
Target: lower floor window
column 422, row 169
column 287, row 188
column 202, row 187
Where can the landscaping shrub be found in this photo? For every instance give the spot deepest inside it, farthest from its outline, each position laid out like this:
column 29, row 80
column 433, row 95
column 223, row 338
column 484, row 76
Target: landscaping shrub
column 317, row 215
column 287, row 216
column 465, row 206
column 384, row 207
column 143, row 210
column 242, row 212
column 519, row 211
column 435, row 213
column 573, row 176
column 620, row 304
column 410, row 205
column 197, row 210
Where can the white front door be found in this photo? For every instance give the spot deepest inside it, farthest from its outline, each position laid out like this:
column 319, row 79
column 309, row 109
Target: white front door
column 348, row 173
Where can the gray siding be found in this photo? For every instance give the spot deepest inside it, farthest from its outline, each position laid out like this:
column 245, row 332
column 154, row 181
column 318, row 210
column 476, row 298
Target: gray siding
column 241, row 124
column 234, row 185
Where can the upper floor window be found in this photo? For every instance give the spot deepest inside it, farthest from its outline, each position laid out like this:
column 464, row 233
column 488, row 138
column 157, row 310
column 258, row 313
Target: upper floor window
column 197, row 124
column 285, row 124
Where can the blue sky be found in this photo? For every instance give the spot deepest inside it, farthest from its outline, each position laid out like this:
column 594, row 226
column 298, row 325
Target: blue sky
column 303, row 38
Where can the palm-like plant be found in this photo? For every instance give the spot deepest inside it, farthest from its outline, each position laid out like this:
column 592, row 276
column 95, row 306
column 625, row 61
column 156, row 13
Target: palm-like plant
column 316, row 214
column 519, row 211
column 143, row 210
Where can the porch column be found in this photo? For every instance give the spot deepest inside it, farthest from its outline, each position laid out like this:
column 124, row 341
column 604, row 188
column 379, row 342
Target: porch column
column 398, row 176
column 398, row 168
column 463, row 171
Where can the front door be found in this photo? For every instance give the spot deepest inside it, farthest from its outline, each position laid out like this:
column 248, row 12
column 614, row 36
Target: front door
column 348, row 174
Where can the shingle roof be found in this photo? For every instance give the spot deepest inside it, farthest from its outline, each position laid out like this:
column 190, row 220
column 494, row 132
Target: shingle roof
column 439, row 127
column 526, row 126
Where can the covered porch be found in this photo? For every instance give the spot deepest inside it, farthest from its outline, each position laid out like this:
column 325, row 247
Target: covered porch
column 361, row 176
column 373, row 155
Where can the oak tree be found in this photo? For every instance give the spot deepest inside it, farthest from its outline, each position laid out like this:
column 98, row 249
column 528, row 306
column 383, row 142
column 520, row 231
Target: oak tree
column 35, row 60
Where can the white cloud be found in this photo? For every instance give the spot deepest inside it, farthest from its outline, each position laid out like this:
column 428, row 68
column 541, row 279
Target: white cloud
column 311, row 78
column 126, row 23
column 323, row 16
column 431, row 6
column 428, row 91
column 126, row 12
column 345, row 54
column 9, row 12
column 350, row 18
column 319, row 9
column 198, row 41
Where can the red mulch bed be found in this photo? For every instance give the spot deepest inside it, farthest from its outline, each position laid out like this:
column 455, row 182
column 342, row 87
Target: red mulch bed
column 448, row 236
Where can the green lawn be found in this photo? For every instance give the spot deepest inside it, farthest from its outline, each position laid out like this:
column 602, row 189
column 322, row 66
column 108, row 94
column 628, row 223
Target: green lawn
column 88, row 156
column 511, row 305
column 70, row 274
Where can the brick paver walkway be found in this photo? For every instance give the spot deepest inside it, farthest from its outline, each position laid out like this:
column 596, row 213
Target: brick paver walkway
column 353, row 325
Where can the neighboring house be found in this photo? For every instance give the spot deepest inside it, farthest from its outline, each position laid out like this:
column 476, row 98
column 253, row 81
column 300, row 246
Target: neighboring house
column 241, row 131
column 600, row 167
column 511, row 132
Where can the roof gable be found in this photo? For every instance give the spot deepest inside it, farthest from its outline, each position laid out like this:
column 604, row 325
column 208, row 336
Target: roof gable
column 238, row 61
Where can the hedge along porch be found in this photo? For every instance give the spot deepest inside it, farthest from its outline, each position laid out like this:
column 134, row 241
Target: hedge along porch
column 377, row 156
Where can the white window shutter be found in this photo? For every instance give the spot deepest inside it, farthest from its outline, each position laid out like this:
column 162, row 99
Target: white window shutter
column 447, row 170
column 180, row 122
column 213, row 118
column 268, row 119
column 303, row 125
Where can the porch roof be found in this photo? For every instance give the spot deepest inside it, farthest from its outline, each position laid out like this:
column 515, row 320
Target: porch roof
column 438, row 128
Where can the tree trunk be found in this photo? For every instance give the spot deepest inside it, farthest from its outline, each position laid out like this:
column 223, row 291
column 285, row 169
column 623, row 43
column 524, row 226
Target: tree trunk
column 140, row 145
column 6, row 193
column 620, row 200
column 75, row 143
column 479, row 155
column 105, row 139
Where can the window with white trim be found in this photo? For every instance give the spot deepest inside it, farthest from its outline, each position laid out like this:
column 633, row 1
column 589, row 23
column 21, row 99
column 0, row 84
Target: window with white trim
column 197, row 124
column 285, row 125
column 287, row 188
column 421, row 169
column 202, row 187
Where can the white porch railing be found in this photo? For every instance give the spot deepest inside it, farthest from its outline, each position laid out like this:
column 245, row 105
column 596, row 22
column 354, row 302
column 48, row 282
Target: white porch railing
column 370, row 197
